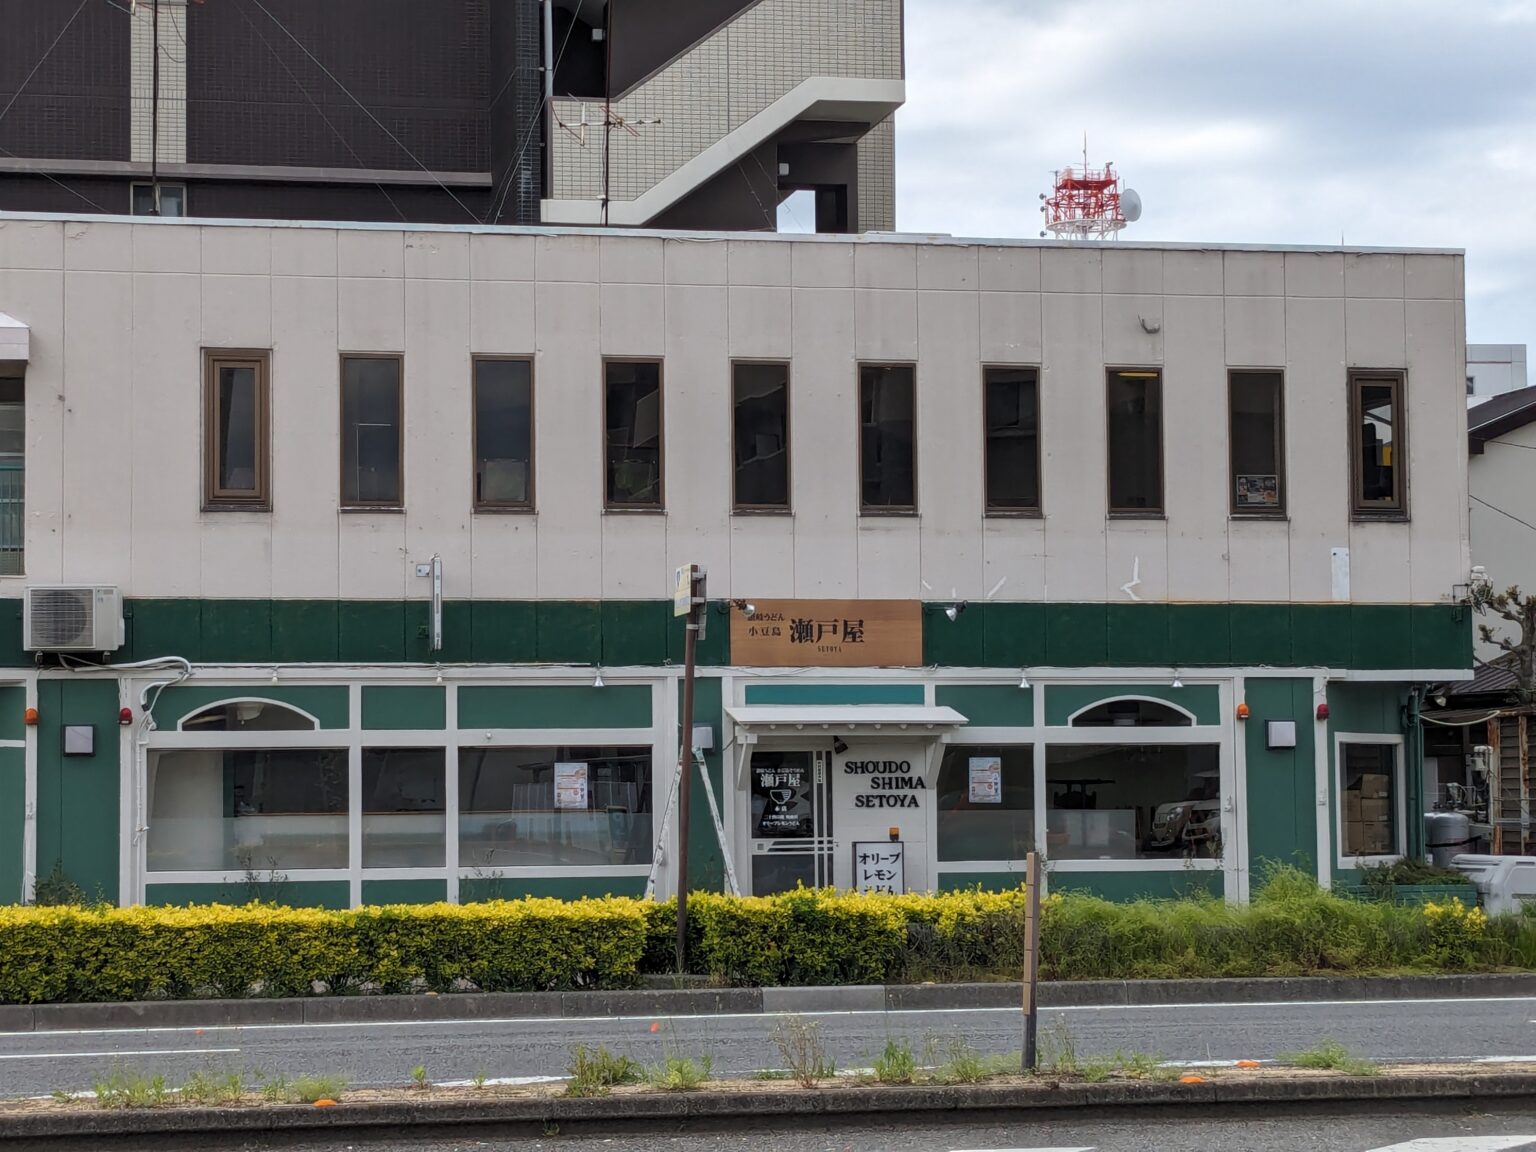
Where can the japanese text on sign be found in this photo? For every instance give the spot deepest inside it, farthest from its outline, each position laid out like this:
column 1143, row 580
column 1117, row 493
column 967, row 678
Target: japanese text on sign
column 829, row 633
column 879, row 866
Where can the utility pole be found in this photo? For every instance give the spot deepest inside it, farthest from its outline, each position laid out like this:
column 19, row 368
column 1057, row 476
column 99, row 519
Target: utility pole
column 688, row 600
column 1031, row 961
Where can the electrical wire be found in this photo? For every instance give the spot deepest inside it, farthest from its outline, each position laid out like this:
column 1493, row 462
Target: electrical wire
column 32, row 170
column 1501, row 512
column 283, row 28
column 43, row 59
column 299, row 84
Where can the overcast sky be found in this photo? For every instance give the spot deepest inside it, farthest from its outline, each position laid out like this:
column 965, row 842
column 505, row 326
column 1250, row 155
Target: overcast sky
column 1395, row 122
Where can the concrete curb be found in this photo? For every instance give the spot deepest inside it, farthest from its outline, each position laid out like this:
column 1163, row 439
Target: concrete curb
column 746, row 1001
column 631, row 1108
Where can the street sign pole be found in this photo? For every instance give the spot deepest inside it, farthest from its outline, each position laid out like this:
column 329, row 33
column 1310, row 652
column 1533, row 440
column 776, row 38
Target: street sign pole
column 1031, row 960
column 692, row 604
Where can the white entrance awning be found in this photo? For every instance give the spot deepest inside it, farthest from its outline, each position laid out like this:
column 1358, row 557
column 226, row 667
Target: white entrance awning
column 864, row 719
column 15, row 339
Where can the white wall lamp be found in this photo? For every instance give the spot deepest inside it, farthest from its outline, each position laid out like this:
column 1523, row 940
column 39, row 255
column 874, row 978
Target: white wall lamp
column 1024, row 678
column 1177, row 683
column 597, row 680
column 954, row 610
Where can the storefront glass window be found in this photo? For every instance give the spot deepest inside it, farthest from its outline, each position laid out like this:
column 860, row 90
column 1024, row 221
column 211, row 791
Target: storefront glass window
column 256, row 810
column 1133, row 801
column 404, row 815
column 553, row 807
column 1368, row 792
column 986, row 802
column 248, row 716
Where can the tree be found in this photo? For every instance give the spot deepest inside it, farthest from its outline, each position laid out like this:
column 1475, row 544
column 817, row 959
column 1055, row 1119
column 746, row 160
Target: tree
column 1518, row 655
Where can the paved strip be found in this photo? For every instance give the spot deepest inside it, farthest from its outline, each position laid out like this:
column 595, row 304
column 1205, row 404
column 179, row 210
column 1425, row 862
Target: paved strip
column 1464, row 1144
column 739, row 1045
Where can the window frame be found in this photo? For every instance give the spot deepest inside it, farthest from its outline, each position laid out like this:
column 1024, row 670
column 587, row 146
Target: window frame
column 515, row 506
column 788, row 507
column 345, row 505
column 1359, row 509
column 1282, row 511
column 858, row 417
column 1399, row 794
column 1161, row 511
column 135, row 185
column 1001, row 511
column 660, row 504
column 215, row 499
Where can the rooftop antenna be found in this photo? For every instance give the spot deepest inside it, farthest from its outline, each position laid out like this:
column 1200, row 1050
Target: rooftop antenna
column 1088, row 203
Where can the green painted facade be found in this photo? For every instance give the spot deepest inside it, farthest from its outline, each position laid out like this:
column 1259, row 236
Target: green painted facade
column 1063, row 701
column 293, row 893
column 404, row 891
column 405, row 708
column 1281, row 782
column 706, row 861
column 620, row 633
column 13, row 798
column 989, row 705
column 1129, row 885
column 838, row 693
column 1371, row 709
column 555, row 706
column 78, row 815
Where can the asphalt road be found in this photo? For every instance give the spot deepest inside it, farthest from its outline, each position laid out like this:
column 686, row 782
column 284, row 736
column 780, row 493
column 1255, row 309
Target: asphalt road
column 1375, row 1130
column 384, row 1054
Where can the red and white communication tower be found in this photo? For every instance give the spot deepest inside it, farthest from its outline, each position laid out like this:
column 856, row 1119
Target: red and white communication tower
column 1088, row 203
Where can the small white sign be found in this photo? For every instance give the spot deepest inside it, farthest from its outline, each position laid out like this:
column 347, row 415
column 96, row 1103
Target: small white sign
column 879, row 866
column 682, row 591
column 986, row 779
column 571, row 785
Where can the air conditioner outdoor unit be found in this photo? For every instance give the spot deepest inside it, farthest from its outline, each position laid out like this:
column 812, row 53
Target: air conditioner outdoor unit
column 73, row 618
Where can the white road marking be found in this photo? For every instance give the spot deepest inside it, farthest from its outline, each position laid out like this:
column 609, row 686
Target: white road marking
column 1463, row 1144
column 499, row 1081
column 1024, row 1150
column 96, row 1055
column 1284, row 1005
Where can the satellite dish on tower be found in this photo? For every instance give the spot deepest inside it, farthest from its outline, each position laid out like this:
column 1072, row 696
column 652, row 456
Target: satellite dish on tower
column 1130, row 205
column 1088, row 203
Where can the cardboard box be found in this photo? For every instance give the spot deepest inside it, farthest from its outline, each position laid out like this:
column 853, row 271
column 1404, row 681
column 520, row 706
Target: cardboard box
column 1352, row 803
column 1375, row 785
column 1375, row 810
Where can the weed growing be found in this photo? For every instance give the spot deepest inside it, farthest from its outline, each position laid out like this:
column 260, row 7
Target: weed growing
column 593, row 1071
column 805, row 1054
column 679, row 1073
column 1331, row 1056
column 897, row 1064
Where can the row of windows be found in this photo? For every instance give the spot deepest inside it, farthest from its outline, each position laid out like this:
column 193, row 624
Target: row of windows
column 237, row 472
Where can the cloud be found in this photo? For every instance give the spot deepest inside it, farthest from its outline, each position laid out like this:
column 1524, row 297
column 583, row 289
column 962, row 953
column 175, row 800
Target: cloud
column 1392, row 122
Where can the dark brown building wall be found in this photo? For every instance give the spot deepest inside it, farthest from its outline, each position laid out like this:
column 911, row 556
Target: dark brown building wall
column 413, row 204
column 76, row 106
column 254, row 96
column 647, row 34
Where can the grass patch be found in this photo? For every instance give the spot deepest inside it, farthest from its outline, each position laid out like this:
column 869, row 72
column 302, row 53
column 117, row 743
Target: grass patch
column 308, row 1089
column 679, row 1073
column 805, row 1053
column 896, row 1064
column 125, row 1089
column 210, row 1088
column 593, row 1071
column 1331, row 1056
column 965, row 1065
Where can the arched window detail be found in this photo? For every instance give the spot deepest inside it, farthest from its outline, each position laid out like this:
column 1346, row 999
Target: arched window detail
column 248, row 715
column 1132, row 712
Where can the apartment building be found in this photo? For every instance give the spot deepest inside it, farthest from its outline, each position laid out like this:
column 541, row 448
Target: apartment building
column 345, row 559
column 669, row 113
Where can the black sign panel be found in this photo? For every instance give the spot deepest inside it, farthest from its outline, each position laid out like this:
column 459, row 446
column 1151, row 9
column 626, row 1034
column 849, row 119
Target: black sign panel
column 783, row 806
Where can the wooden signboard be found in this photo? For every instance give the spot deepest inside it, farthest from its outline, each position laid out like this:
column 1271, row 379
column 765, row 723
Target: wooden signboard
column 829, row 634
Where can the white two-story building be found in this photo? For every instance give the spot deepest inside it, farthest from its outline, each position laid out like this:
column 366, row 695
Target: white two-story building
column 1131, row 555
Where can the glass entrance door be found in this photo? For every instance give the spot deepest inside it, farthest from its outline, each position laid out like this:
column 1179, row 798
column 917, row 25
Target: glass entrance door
column 791, row 822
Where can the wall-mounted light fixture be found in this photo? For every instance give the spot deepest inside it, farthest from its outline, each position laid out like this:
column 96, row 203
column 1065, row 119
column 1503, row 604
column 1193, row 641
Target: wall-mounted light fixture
column 597, row 680
column 954, row 610
column 746, row 607
column 1024, row 678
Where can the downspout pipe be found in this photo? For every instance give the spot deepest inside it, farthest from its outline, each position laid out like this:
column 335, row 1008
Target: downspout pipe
column 1414, row 770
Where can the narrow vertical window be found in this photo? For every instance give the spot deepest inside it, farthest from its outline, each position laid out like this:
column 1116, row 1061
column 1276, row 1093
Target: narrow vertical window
column 760, row 432
column 235, row 431
column 503, row 433
column 1256, row 434
column 887, row 438
column 1368, row 800
column 13, row 469
column 1135, row 442
column 632, row 416
column 1012, row 439
column 1378, row 441
column 371, row 444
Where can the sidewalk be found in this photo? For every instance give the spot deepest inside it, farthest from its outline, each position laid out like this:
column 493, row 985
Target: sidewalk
column 656, row 1001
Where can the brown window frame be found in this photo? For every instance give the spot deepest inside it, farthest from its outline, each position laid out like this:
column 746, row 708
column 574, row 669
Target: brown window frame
column 660, row 504
column 216, row 499
column 1280, row 512
column 1005, row 510
column 858, row 415
column 479, row 505
column 1397, row 509
column 397, row 505
column 1160, row 512
column 789, row 458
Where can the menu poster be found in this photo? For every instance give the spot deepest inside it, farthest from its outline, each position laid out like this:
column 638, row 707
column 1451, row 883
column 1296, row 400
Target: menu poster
column 571, row 785
column 781, row 798
column 986, row 779
column 1258, row 491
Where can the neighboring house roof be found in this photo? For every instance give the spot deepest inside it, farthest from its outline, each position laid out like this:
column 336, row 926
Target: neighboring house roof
column 1498, row 415
column 1488, row 679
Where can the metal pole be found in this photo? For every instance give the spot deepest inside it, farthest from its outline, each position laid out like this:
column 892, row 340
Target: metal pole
column 1031, row 960
column 608, row 113
column 154, row 124
column 685, row 766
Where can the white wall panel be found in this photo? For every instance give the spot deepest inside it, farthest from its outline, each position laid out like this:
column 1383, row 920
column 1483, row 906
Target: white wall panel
column 1010, row 327
column 1195, row 473
column 760, row 323
column 698, row 413
column 1260, row 560
column 370, row 314
column 885, row 324
column 1317, row 441
column 437, row 256
column 1437, row 472
column 824, row 421
column 890, row 558
column 37, row 297
column 950, row 458
column 1379, row 559
column 501, row 316
column 32, row 244
column 1126, row 339
column 1314, row 274
column 1255, row 331
column 1375, row 334
column 1136, row 553
column 1072, row 415
column 1009, row 269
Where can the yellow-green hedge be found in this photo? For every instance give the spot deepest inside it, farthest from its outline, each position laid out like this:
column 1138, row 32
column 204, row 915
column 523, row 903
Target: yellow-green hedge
column 105, row 954
column 803, row 937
